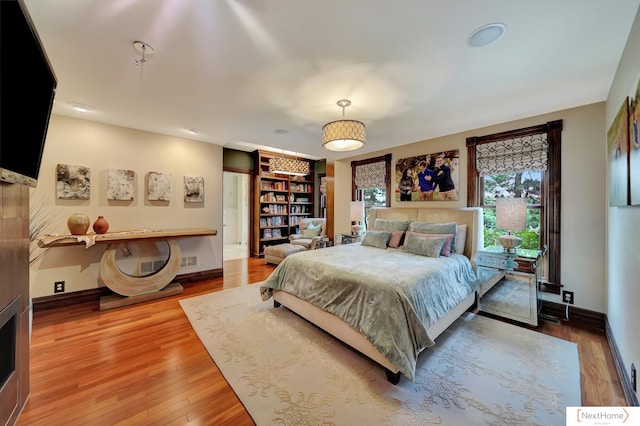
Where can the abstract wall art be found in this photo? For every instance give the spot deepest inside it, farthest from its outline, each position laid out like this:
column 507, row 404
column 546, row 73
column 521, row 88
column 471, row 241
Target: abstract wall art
column 193, row 189
column 120, row 184
column 159, row 187
column 73, row 182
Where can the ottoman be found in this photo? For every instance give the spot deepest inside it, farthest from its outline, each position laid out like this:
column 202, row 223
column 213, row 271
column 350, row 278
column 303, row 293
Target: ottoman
column 276, row 254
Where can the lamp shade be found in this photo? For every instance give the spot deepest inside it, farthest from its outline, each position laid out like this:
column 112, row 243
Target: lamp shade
column 357, row 211
column 288, row 166
column 511, row 214
column 343, row 135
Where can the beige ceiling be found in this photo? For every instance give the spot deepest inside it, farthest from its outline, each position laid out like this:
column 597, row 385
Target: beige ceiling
column 256, row 73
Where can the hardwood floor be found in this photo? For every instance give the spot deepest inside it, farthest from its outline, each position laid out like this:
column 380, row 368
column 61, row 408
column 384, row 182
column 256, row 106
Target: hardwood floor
column 144, row 365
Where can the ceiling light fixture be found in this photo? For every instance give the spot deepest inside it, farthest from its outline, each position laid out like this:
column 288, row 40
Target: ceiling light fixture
column 144, row 49
column 192, row 131
column 80, row 107
column 289, row 166
column 343, row 135
column 486, row 34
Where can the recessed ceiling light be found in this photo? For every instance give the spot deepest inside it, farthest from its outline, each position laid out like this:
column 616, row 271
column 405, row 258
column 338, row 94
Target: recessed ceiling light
column 486, row 34
column 80, row 107
column 192, row 131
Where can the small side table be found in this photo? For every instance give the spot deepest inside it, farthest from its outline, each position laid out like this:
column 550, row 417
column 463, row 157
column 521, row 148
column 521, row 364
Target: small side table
column 508, row 284
column 348, row 239
column 323, row 243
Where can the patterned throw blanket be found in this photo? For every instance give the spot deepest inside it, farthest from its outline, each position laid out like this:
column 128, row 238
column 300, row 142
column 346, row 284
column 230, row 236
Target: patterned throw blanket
column 389, row 295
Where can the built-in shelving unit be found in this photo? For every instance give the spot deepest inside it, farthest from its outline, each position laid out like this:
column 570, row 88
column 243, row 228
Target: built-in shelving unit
column 281, row 201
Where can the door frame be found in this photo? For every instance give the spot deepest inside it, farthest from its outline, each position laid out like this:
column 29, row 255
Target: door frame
column 250, row 202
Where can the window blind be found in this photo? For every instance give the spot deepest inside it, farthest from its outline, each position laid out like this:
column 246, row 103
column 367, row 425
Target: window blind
column 371, row 175
column 512, row 155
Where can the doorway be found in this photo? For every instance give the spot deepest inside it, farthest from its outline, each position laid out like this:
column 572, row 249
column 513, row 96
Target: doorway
column 235, row 219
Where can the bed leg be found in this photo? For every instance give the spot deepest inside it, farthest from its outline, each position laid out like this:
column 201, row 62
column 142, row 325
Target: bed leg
column 393, row 378
column 276, row 304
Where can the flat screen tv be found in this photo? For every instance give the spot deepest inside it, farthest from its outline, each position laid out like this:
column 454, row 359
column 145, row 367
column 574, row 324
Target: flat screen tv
column 27, row 90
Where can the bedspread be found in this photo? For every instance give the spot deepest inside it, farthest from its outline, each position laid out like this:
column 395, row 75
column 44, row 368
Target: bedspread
column 389, row 295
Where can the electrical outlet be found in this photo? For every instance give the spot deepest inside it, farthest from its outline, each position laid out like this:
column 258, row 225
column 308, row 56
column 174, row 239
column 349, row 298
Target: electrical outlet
column 58, row 287
column 634, row 378
column 567, row 297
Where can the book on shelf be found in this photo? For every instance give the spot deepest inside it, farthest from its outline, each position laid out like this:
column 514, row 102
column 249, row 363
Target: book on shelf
column 275, row 209
column 301, row 187
column 277, row 186
column 299, row 210
column 269, row 196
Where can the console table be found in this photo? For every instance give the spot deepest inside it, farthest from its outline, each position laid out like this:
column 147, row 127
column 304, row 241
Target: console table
column 132, row 289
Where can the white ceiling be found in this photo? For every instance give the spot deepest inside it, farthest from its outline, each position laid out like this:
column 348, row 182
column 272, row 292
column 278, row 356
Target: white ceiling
column 256, row 73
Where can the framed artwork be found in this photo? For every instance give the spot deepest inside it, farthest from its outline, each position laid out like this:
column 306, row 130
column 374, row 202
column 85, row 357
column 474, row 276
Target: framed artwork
column 193, row 189
column 120, row 184
column 429, row 177
column 159, row 187
column 73, row 182
column 322, row 195
column 634, row 144
column 618, row 149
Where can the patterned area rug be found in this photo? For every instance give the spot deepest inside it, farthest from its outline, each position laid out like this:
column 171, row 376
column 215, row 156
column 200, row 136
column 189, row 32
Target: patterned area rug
column 286, row 371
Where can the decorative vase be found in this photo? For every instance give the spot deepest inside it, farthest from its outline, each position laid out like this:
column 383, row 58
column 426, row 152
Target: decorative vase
column 100, row 226
column 78, row 223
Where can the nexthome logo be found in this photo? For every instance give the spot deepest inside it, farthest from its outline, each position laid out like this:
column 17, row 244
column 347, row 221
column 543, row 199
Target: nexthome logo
column 602, row 416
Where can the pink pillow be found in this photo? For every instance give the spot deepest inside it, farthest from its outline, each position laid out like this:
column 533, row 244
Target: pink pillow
column 446, row 247
column 396, row 237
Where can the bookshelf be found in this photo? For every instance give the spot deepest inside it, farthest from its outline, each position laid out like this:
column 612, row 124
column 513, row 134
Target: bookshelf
column 281, row 201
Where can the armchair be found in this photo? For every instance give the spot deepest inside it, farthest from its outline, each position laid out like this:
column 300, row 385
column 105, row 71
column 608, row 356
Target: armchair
column 309, row 234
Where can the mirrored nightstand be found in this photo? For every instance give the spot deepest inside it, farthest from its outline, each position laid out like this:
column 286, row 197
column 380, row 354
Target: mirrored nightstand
column 348, row 239
column 508, row 284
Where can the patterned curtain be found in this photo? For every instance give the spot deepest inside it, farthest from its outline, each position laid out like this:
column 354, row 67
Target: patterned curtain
column 512, row 155
column 372, row 175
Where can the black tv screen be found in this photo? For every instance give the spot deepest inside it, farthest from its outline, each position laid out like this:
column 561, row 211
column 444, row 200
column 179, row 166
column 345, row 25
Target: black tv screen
column 27, row 90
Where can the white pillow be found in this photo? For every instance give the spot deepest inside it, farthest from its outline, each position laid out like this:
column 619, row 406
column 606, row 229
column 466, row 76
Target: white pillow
column 461, row 237
column 312, row 231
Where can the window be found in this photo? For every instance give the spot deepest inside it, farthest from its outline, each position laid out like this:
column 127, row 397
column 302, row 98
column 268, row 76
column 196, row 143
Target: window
column 371, row 183
column 528, row 185
column 521, row 163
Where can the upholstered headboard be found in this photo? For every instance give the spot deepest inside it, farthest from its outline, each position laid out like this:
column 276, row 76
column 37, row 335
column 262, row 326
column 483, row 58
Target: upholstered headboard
column 472, row 216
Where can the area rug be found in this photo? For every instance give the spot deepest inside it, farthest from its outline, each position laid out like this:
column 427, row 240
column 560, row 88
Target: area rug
column 286, row 371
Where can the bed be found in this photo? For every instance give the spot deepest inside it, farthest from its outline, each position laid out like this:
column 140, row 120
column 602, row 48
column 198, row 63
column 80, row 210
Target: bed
column 343, row 289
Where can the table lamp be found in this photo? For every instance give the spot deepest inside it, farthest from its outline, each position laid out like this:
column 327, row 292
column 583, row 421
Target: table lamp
column 511, row 215
column 357, row 217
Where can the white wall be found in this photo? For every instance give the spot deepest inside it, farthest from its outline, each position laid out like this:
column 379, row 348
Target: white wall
column 623, row 225
column 100, row 147
column 582, row 200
